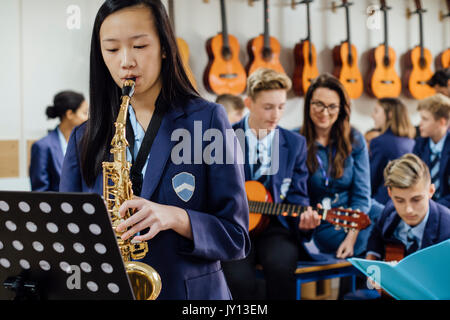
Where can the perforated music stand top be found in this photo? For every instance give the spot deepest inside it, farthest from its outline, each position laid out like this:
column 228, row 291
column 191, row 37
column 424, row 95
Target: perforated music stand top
column 62, row 241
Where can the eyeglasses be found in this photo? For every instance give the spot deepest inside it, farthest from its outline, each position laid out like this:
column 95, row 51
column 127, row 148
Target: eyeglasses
column 319, row 106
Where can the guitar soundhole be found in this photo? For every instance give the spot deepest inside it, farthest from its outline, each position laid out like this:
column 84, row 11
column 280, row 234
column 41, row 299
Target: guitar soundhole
column 386, row 61
column 228, row 75
column 267, row 53
column 226, row 53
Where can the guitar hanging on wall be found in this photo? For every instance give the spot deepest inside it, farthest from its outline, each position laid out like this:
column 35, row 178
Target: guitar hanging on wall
column 418, row 64
column 345, row 58
column 383, row 81
column 261, row 208
column 224, row 72
column 183, row 47
column 305, row 58
column 264, row 50
column 443, row 59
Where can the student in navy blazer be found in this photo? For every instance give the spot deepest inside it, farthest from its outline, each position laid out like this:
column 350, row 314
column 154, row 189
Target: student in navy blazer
column 391, row 117
column 47, row 154
column 192, row 208
column 434, row 143
column 275, row 157
column 411, row 219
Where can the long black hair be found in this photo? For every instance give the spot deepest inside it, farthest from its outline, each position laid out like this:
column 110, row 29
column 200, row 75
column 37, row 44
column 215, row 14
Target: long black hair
column 105, row 94
column 63, row 102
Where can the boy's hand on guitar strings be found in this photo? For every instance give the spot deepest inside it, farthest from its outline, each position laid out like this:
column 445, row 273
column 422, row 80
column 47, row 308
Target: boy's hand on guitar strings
column 310, row 219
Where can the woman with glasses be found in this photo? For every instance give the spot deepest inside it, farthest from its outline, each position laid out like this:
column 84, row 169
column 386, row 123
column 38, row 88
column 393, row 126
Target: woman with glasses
column 338, row 164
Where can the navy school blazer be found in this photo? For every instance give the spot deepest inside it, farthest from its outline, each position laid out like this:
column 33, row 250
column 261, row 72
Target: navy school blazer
column 436, row 230
column 422, row 150
column 217, row 204
column 383, row 149
column 46, row 163
column 289, row 183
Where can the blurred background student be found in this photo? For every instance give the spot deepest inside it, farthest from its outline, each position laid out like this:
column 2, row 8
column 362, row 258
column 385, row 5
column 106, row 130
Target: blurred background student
column 433, row 145
column 47, row 154
column 234, row 106
column 391, row 117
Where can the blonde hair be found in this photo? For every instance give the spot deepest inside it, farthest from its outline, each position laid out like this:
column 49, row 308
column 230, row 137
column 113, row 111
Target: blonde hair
column 406, row 172
column 397, row 118
column 267, row 79
column 438, row 105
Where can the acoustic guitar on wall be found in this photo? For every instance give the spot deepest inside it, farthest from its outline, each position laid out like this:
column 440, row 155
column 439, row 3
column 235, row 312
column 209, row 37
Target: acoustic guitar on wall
column 383, row 81
column 418, row 64
column 443, row 59
column 264, row 50
column 224, row 72
column 305, row 58
column 345, row 58
column 261, row 208
column 183, row 48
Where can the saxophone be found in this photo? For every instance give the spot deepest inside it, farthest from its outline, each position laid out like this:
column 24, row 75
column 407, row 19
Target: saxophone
column 145, row 281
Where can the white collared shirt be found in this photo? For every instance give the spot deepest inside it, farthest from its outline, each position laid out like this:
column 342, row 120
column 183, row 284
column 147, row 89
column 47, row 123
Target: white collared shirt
column 139, row 134
column 62, row 141
column 265, row 149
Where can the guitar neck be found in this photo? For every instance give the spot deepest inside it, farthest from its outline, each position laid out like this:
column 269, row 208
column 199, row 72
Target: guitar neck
column 347, row 17
column 172, row 14
column 226, row 42
column 421, row 34
column 284, row 209
column 386, row 39
column 308, row 22
column 266, row 25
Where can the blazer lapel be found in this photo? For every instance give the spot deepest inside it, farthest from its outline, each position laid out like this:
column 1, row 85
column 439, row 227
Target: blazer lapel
column 159, row 153
column 430, row 233
column 244, row 147
column 56, row 150
column 280, row 157
column 445, row 161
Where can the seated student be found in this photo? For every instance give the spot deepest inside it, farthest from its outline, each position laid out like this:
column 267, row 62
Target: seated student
column 234, row 106
column 47, row 154
column 338, row 164
column 391, row 117
column 433, row 147
column 275, row 157
column 412, row 218
column 440, row 81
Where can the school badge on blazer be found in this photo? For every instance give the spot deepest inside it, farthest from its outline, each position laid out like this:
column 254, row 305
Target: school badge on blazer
column 184, row 185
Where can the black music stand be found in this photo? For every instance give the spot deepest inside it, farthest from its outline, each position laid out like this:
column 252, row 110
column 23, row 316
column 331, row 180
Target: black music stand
column 59, row 246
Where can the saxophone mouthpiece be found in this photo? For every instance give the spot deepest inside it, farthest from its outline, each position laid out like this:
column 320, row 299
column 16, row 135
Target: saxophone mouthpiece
column 128, row 87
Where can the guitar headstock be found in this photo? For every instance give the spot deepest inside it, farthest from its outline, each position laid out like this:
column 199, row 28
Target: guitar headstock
column 344, row 4
column 384, row 6
column 419, row 9
column 347, row 218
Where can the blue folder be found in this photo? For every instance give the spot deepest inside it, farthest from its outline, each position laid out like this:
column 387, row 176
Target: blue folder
column 423, row 275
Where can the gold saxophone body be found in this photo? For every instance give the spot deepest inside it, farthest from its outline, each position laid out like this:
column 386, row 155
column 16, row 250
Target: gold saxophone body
column 117, row 188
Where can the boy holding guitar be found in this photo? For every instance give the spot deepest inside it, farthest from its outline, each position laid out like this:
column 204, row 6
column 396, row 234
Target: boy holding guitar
column 412, row 221
column 267, row 146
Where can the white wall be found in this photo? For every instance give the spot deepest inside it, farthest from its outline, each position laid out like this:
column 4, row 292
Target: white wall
column 41, row 56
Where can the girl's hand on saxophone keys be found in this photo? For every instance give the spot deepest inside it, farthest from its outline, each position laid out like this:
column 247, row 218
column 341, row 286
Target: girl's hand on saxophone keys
column 156, row 217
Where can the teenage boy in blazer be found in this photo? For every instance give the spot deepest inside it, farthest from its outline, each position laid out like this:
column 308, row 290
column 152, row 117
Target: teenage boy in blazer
column 412, row 218
column 276, row 157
